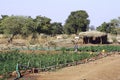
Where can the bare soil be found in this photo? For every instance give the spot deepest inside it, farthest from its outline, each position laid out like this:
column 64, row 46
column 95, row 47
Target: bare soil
column 107, row 68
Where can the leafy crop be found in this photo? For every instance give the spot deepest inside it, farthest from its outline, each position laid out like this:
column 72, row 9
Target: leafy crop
column 8, row 60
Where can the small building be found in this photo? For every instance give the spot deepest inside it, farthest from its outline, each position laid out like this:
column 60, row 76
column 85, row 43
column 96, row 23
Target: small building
column 93, row 37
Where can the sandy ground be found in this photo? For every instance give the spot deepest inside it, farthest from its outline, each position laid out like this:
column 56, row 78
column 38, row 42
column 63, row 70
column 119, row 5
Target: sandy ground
column 107, row 68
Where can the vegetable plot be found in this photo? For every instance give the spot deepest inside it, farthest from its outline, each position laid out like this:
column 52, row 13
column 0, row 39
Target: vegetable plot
column 8, row 60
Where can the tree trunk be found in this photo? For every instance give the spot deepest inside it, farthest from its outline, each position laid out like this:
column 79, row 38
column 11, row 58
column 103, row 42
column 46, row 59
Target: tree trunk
column 10, row 39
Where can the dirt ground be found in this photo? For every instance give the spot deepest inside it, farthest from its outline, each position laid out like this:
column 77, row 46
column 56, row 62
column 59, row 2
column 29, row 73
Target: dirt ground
column 107, row 68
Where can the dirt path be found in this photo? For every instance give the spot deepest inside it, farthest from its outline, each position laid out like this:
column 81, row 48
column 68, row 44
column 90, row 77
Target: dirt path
column 104, row 69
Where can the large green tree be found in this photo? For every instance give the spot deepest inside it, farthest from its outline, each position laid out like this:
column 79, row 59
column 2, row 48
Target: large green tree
column 17, row 25
column 43, row 24
column 56, row 28
column 77, row 21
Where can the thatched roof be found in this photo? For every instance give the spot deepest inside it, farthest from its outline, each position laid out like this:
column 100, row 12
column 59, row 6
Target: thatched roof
column 92, row 34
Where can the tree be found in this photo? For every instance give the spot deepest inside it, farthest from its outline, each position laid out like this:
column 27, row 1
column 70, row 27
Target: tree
column 43, row 24
column 112, row 27
column 17, row 25
column 115, row 23
column 104, row 27
column 107, row 28
column 2, row 28
column 77, row 21
column 56, row 28
column 29, row 27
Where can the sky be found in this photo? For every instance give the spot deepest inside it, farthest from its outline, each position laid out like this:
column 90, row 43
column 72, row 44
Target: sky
column 99, row 11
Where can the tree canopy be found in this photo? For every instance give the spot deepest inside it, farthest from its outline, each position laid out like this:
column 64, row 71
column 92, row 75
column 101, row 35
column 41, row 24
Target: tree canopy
column 56, row 28
column 77, row 21
column 112, row 27
column 25, row 25
column 17, row 25
column 43, row 24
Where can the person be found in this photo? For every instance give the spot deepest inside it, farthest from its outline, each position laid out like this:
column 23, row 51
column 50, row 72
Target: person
column 76, row 47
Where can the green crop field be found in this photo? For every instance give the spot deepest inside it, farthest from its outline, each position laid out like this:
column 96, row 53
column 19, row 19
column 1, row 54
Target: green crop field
column 9, row 59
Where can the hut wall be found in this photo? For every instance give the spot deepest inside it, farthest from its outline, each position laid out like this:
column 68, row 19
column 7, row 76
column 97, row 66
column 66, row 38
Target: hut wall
column 85, row 40
column 104, row 39
column 95, row 40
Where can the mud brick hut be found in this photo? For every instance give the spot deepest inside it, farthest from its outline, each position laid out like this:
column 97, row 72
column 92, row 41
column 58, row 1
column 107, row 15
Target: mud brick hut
column 93, row 37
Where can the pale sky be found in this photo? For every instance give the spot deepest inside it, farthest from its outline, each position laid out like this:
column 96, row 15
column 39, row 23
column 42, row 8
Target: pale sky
column 99, row 11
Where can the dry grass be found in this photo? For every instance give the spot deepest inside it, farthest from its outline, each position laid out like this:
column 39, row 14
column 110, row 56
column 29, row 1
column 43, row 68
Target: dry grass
column 43, row 40
column 113, row 38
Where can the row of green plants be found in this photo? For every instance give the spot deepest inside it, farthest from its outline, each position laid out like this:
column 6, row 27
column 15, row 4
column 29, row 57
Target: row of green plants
column 8, row 60
column 108, row 48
